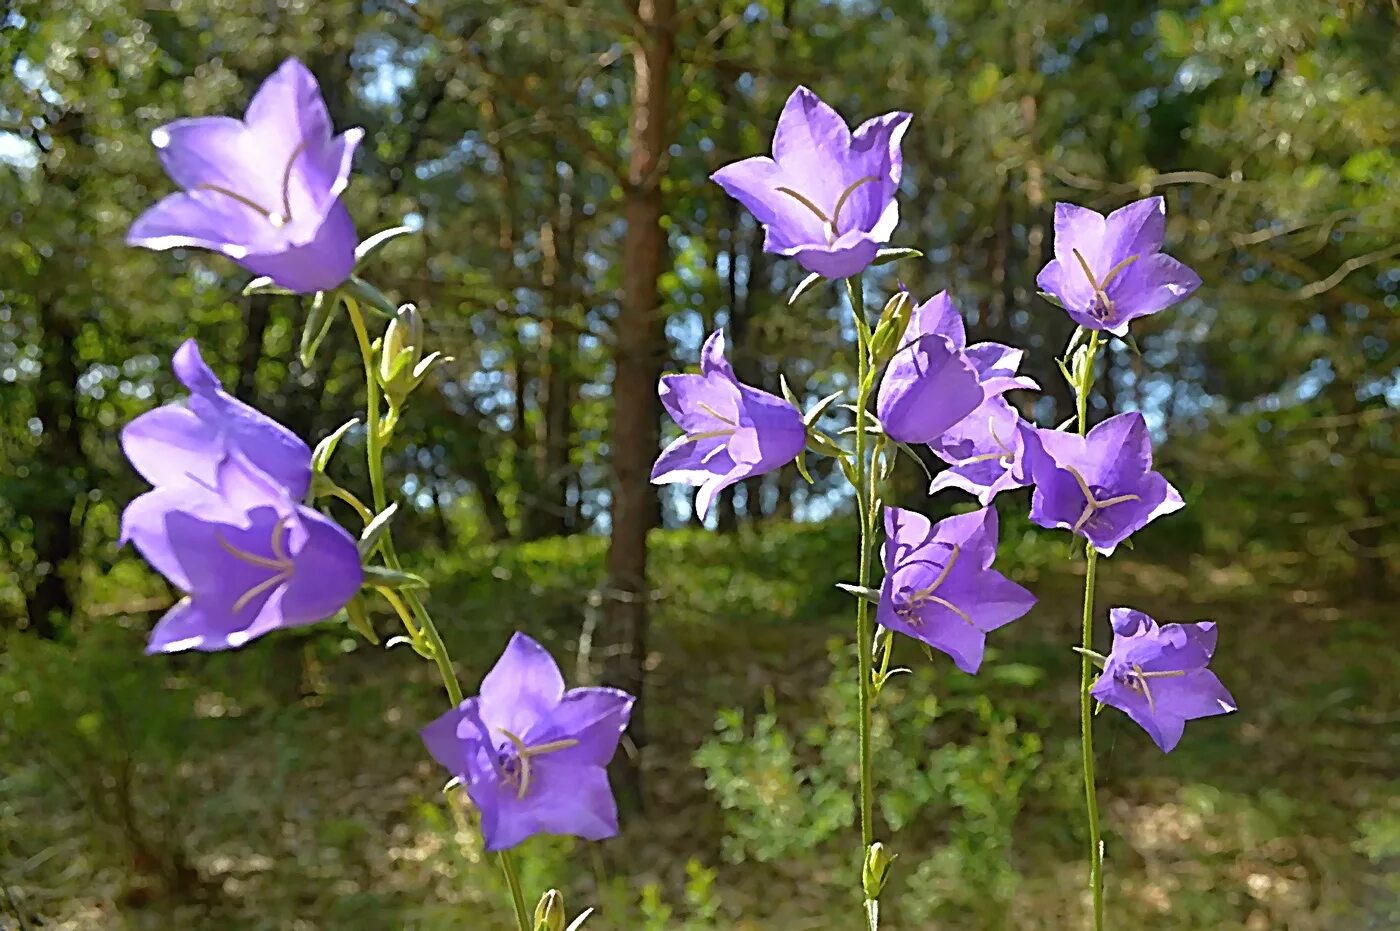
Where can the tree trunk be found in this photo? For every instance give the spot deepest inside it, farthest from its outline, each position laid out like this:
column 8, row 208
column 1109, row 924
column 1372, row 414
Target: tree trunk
column 551, row 516
column 638, row 355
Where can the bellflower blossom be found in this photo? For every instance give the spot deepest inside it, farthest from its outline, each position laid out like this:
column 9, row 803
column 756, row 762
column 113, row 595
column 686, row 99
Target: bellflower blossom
column 1099, row 486
column 532, row 756
column 177, row 443
column 939, row 585
column 1158, row 675
column 985, row 452
column 732, row 431
column 1108, row 271
column 935, row 380
column 250, row 558
column 264, row 190
column 826, row 197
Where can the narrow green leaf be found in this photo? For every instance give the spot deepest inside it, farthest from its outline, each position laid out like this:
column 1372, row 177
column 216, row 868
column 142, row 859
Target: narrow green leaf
column 321, row 457
column 317, row 325
column 264, row 285
column 894, row 254
column 369, row 537
column 787, row 391
column 805, row 285
column 871, row 595
column 1051, row 298
column 801, row 463
column 369, row 296
column 384, row 577
column 372, row 245
column 813, row 415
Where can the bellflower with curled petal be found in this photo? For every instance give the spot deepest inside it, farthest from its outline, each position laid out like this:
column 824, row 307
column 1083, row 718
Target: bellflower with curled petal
column 939, row 585
column 935, row 380
column 1108, row 271
column 532, row 756
column 264, row 190
column 1099, row 486
column 985, row 452
column 249, row 558
column 732, row 431
column 1158, row 675
column 177, row 443
column 826, row 197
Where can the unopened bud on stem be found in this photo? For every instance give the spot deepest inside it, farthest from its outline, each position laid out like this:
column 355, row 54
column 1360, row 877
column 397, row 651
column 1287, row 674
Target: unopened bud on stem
column 549, row 914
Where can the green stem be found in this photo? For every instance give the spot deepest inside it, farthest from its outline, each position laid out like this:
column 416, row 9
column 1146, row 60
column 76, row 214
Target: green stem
column 1086, row 669
column 517, row 896
column 865, row 503
column 374, row 444
column 1086, row 736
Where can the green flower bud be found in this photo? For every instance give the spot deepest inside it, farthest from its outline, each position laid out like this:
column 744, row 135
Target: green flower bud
column 549, row 914
column 877, row 868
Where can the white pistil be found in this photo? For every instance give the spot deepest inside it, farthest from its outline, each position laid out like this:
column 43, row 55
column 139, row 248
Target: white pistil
column 1091, row 504
column 1007, row 455
column 831, row 223
column 275, row 220
column 1103, row 305
column 280, row 561
column 524, row 753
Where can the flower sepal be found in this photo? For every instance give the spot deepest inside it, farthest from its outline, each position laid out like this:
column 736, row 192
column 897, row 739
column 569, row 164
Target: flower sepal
column 370, row 247
column 392, row 579
column 321, row 456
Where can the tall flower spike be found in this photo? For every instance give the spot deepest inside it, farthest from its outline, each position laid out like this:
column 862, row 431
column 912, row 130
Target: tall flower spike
column 826, row 197
column 534, row 757
column 1100, row 486
column 732, row 431
column 178, row 443
column 939, row 585
column 1108, row 271
column 264, row 190
column 1158, row 675
column 250, row 559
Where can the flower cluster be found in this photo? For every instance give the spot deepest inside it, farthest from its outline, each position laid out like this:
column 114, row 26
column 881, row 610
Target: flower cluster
column 229, row 520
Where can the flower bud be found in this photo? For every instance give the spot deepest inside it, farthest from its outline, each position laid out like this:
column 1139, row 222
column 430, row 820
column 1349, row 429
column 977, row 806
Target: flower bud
column 403, row 344
column 877, row 868
column 889, row 331
column 549, row 914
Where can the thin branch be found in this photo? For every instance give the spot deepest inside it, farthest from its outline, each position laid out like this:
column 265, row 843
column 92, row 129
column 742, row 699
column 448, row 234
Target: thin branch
column 1352, row 264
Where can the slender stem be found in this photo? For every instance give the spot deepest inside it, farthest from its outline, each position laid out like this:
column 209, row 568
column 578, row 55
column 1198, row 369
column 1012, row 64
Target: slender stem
column 374, row 442
column 866, row 505
column 365, row 513
column 1086, row 670
column 402, row 611
column 517, row 896
column 1086, row 735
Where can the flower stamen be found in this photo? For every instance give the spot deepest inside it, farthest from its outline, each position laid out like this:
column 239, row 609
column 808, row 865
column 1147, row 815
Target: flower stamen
column 1092, row 504
column 523, row 753
column 280, row 561
column 926, row 595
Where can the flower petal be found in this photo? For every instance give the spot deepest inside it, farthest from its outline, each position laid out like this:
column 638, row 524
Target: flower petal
column 524, row 686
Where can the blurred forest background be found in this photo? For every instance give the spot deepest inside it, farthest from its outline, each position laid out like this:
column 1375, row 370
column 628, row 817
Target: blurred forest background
column 555, row 156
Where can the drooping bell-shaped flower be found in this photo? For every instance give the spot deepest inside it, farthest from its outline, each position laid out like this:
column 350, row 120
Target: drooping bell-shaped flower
column 826, row 197
column 178, row 443
column 534, row 757
column 264, row 190
column 1099, row 486
column 1108, row 271
column 939, row 586
column 1158, row 675
column 249, row 558
column 985, row 452
column 733, row 431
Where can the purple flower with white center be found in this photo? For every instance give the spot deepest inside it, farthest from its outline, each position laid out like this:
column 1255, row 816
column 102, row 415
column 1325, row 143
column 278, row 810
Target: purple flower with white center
column 177, row 443
column 1158, row 675
column 532, row 756
column 1099, row 486
column 939, row 585
column 1108, row 271
column 732, row 431
column 264, row 190
column 984, row 451
column 249, row 558
column 826, row 197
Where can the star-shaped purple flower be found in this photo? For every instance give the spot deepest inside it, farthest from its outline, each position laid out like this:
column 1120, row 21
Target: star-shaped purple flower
column 250, row 559
column 939, row 585
column 264, row 190
column 177, row 443
column 1158, row 675
column 985, row 452
column 1108, row 271
column 1100, row 486
column 936, row 380
column 532, row 756
column 732, row 431
column 826, row 197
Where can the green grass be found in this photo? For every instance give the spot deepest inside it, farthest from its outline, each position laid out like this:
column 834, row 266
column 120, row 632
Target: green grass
column 283, row 786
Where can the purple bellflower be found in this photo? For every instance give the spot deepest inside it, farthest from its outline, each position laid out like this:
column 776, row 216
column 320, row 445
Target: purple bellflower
column 1099, row 486
column 1108, row 271
column 826, row 197
column 939, row 585
column 264, row 190
column 178, row 443
column 1158, row 675
column 935, row 380
column 250, row 558
column 732, row 431
column 985, row 452
column 532, row 756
